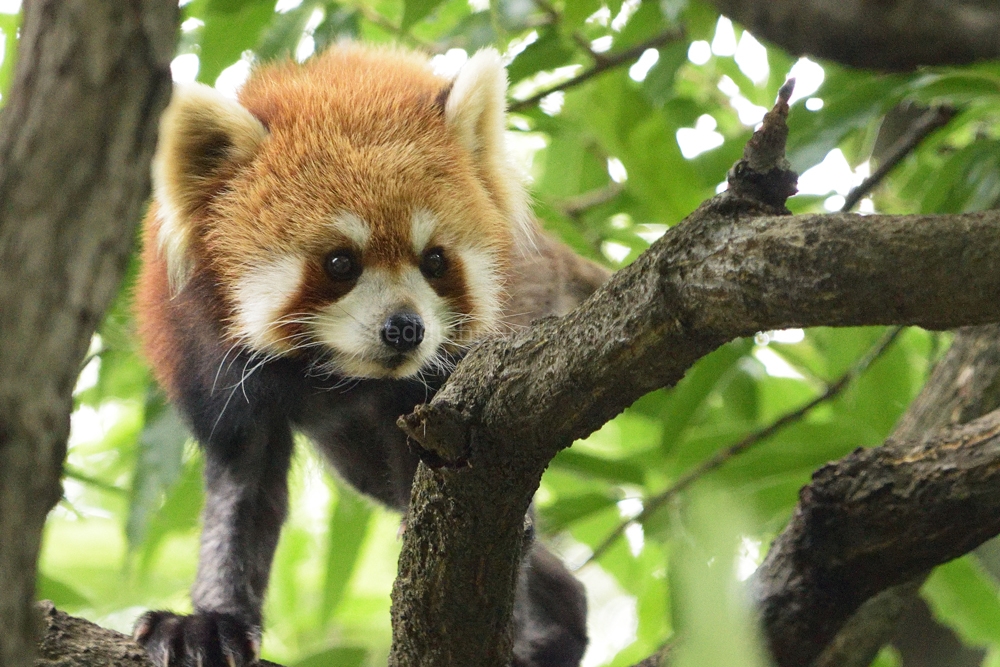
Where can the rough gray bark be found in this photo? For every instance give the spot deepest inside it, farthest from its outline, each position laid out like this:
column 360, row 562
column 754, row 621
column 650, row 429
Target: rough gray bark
column 965, row 385
column 724, row 272
column 76, row 137
column 895, row 35
column 877, row 518
column 67, row 640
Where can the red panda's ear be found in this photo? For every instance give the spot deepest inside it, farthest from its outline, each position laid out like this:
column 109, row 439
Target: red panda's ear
column 475, row 109
column 204, row 136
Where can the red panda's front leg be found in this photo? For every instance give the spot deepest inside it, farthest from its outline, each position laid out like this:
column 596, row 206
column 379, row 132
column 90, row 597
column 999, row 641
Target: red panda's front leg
column 246, row 500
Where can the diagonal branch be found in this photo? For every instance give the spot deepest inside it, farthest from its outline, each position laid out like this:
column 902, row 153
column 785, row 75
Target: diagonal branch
column 715, row 277
column 965, row 385
column 606, row 62
column 876, row 518
column 932, row 119
column 721, row 457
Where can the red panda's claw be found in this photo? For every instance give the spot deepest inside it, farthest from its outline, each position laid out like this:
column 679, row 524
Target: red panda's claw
column 206, row 639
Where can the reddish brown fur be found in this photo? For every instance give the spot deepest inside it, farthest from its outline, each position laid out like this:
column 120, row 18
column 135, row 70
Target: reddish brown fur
column 355, row 129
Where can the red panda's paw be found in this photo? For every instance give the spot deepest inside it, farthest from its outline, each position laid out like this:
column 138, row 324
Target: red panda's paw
column 205, row 639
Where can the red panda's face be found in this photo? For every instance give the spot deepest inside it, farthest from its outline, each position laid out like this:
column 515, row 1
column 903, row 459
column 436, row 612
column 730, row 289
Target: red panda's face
column 385, row 271
column 362, row 212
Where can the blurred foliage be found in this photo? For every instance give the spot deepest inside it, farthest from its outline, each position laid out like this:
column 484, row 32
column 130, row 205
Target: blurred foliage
column 609, row 177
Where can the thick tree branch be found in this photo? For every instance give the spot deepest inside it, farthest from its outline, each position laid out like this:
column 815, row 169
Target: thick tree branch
column 874, row 519
column 76, row 138
column 965, row 385
column 67, row 640
column 717, row 276
column 897, row 35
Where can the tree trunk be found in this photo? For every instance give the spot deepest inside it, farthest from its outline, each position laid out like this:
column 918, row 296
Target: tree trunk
column 76, row 138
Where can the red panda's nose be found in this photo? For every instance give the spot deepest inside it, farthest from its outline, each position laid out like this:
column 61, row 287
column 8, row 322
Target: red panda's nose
column 403, row 331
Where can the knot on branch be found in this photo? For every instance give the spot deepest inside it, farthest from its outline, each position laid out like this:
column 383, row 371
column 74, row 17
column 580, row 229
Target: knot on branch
column 764, row 174
column 438, row 434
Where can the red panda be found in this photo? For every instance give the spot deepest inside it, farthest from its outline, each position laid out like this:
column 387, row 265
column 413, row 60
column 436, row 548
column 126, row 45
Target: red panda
column 318, row 254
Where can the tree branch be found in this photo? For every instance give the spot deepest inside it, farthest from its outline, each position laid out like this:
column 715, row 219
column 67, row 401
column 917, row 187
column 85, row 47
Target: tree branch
column 896, row 35
column 877, row 518
column 67, row 640
column 653, row 504
column 734, row 267
column 965, row 385
column 717, row 276
column 77, row 134
column 607, row 61
column 932, row 119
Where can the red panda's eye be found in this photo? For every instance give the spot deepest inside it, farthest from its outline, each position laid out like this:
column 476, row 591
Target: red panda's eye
column 433, row 264
column 342, row 265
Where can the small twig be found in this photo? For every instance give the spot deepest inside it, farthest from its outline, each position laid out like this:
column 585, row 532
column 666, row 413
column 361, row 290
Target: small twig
column 932, row 119
column 375, row 17
column 605, row 63
column 763, row 174
column 72, row 473
column 555, row 18
column 572, row 207
column 723, row 456
column 550, row 10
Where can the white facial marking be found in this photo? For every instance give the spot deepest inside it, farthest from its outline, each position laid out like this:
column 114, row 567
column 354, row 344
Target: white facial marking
column 352, row 326
column 422, row 226
column 353, row 228
column 486, row 291
column 262, row 295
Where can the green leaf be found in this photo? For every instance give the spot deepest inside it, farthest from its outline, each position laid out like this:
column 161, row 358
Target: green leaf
column 179, row 513
column 969, row 180
column 346, row 534
column 711, row 612
column 684, row 400
column 888, row 656
column 659, row 82
column 229, row 6
column 62, row 594
column 231, row 27
column 474, row 32
column 966, row 599
column 852, row 101
column 514, row 15
column 560, row 514
column 122, row 375
column 416, row 10
column 571, row 167
column 547, row 52
column 282, row 36
column 644, row 24
column 613, row 471
column 339, row 23
column 161, row 451
column 342, row 656
column 577, row 11
column 957, row 86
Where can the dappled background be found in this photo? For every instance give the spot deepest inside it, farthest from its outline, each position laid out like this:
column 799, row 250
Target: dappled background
column 626, row 116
